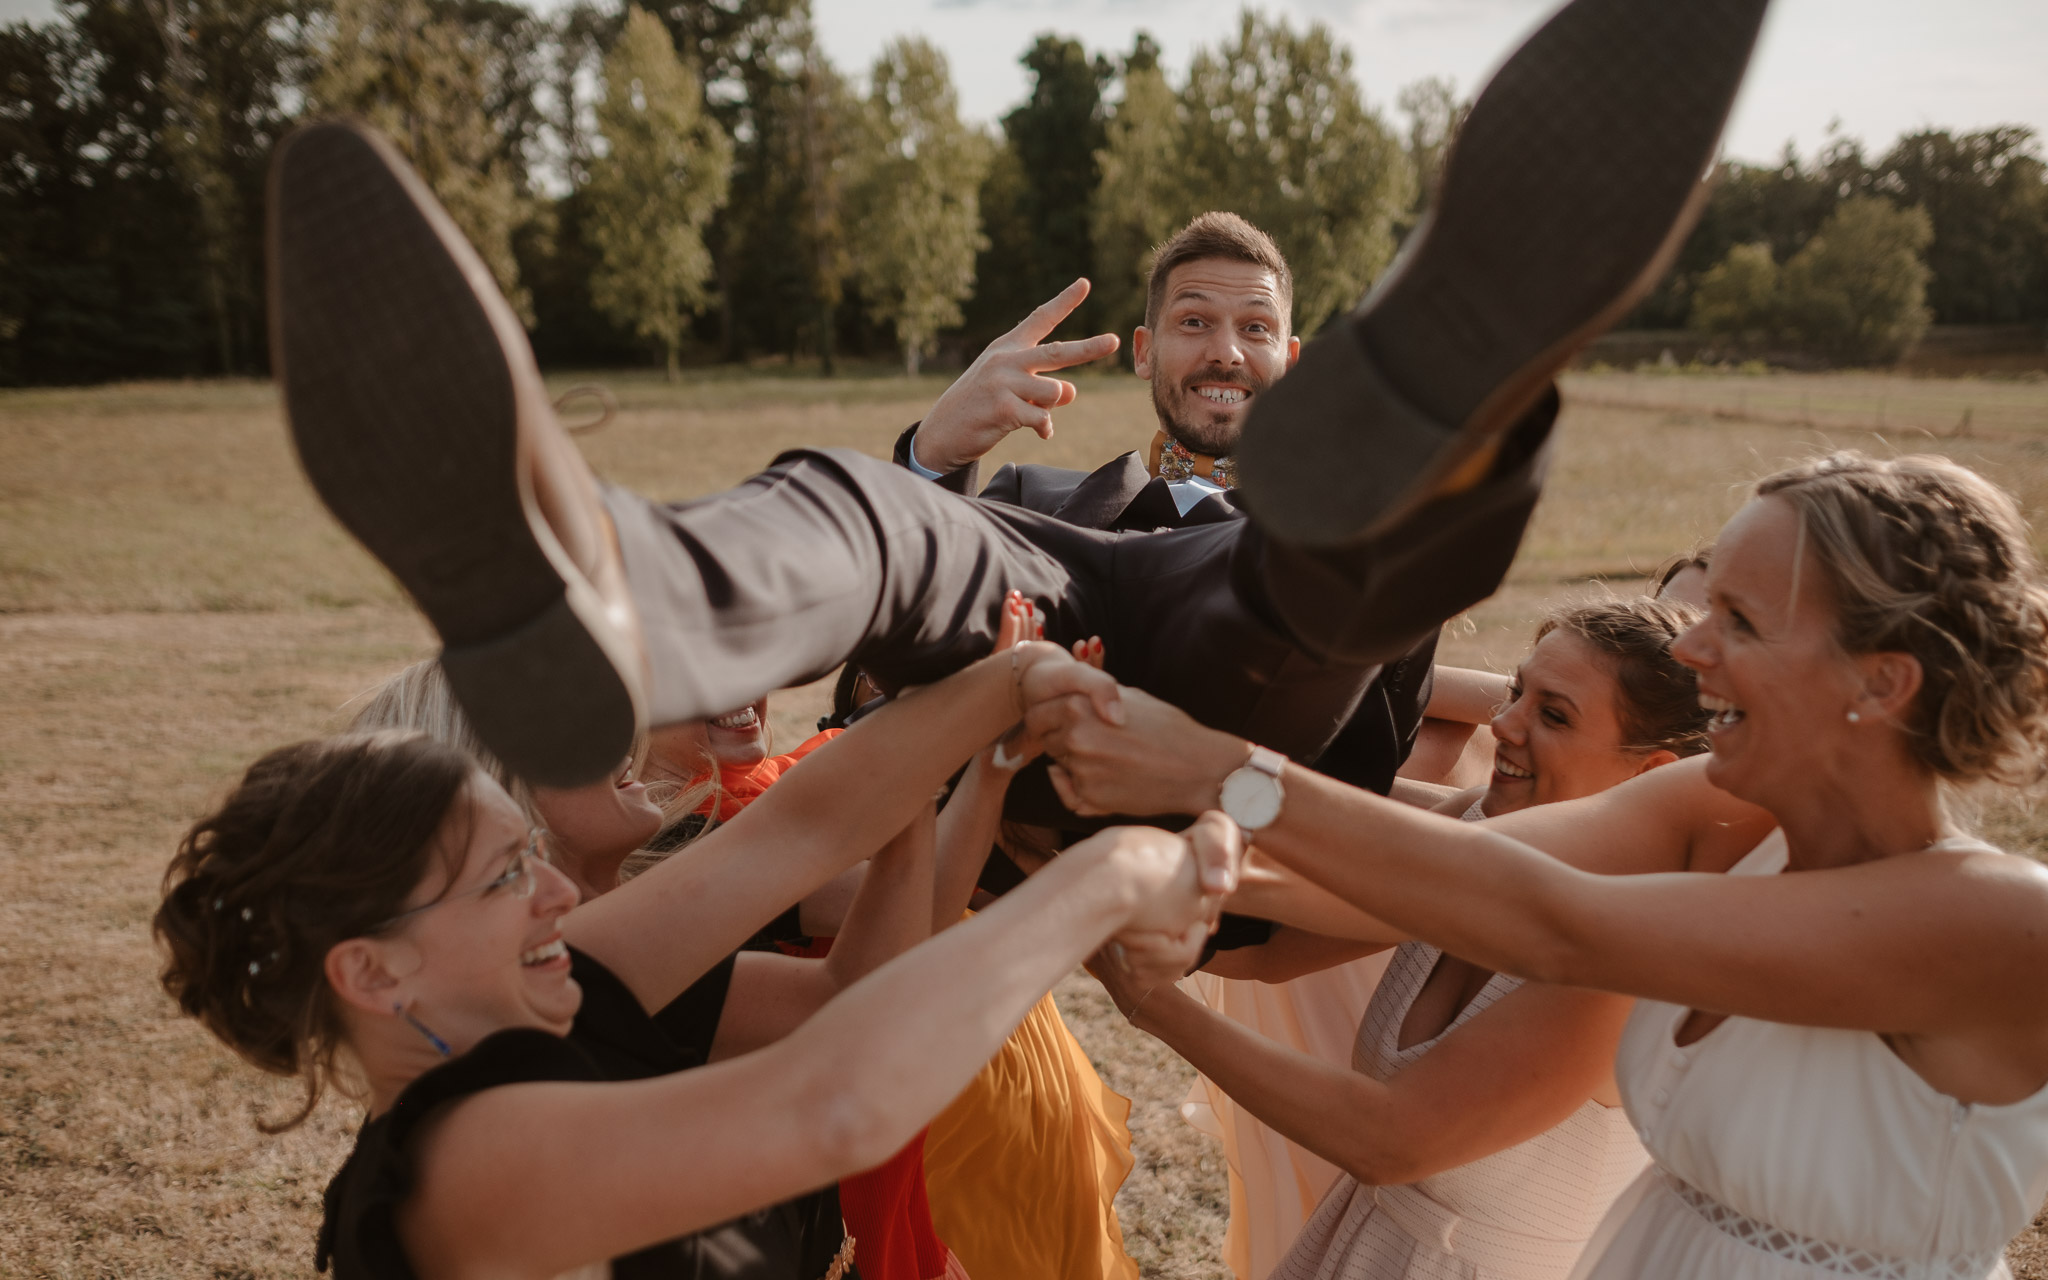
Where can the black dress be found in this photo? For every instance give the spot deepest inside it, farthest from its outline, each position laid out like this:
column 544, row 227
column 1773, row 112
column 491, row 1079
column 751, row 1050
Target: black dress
column 613, row 1039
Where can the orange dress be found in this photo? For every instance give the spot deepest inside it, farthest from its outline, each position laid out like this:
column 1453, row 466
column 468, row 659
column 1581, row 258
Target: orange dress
column 1024, row 1166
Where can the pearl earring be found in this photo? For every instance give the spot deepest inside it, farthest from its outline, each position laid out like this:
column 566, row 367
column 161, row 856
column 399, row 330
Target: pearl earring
column 1855, row 717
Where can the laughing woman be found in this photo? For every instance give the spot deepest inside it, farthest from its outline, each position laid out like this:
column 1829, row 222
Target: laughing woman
column 368, row 910
column 1469, row 1095
column 1839, row 1055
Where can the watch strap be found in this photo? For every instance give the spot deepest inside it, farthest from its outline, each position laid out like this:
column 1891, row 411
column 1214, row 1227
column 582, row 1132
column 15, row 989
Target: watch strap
column 1266, row 761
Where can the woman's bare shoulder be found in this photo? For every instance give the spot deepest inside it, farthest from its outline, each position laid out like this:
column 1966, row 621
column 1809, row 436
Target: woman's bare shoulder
column 1669, row 819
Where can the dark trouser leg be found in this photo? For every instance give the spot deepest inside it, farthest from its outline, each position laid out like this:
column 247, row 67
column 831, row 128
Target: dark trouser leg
column 834, row 555
column 1278, row 644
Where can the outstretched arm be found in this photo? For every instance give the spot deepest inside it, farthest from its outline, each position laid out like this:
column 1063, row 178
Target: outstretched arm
column 1466, row 695
column 1934, row 943
column 662, row 930
column 1290, row 953
column 533, row 1180
column 1515, row 1069
column 772, row 994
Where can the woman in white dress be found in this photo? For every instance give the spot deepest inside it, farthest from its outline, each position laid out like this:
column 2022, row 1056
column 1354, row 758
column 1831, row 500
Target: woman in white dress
column 1842, row 1071
column 1460, row 1093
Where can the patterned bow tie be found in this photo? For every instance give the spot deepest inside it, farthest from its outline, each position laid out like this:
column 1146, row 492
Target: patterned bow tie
column 1174, row 462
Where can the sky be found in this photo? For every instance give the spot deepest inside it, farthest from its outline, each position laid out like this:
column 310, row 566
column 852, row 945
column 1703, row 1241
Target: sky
column 1877, row 68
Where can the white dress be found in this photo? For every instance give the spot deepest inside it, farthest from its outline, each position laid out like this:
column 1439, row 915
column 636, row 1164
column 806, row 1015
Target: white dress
column 1807, row 1153
column 1519, row 1214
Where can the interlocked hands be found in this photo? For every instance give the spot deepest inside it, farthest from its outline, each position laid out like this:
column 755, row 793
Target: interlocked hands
column 1123, row 751
column 1143, row 757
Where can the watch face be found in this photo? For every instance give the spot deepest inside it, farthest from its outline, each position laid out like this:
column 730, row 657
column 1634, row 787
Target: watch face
column 1251, row 798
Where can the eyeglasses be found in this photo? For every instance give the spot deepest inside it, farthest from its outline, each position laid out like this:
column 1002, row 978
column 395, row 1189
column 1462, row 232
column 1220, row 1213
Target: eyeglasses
column 517, row 877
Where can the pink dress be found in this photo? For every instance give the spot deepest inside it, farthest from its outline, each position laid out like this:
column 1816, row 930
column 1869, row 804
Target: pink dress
column 1275, row 1183
column 1523, row 1213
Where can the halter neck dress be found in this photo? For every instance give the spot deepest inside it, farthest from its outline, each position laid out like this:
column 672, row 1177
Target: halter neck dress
column 1808, row 1153
column 1523, row 1213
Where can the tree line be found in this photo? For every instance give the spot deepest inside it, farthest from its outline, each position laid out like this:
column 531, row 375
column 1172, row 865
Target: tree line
column 697, row 179
column 1849, row 257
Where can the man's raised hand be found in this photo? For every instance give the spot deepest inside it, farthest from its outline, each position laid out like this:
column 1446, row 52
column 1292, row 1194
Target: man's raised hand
column 1003, row 389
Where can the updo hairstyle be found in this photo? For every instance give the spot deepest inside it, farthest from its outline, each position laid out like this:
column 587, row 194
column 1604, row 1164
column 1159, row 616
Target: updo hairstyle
column 1928, row 558
column 1656, row 698
column 320, row 842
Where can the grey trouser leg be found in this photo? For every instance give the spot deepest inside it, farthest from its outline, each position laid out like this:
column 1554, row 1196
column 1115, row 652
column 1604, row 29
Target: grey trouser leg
column 832, row 555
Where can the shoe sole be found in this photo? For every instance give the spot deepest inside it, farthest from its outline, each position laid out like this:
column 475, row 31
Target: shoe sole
column 1570, row 188
column 409, row 403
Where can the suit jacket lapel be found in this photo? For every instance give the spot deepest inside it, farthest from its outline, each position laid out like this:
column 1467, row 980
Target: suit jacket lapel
column 1098, row 501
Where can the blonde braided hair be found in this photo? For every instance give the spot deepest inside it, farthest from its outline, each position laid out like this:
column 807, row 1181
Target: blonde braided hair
column 1926, row 557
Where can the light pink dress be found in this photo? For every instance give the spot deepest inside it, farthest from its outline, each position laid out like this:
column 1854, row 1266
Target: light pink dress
column 1524, row 1213
column 1275, row 1183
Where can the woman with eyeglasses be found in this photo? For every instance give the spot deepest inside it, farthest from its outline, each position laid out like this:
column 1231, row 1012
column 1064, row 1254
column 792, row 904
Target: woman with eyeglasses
column 752, row 997
column 367, row 911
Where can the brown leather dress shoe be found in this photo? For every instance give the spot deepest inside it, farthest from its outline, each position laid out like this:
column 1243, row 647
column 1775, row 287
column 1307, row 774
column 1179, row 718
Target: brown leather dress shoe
column 1569, row 189
column 420, row 418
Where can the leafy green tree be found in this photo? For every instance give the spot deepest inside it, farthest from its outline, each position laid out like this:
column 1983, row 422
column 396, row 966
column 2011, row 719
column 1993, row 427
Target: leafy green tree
column 1052, row 138
column 441, row 89
column 747, row 55
column 824, row 147
column 1858, row 289
column 665, row 170
column 916, row 210
column 1737, row 297
column 1280, row 113
column 1781, row 205
column 1435, row 113
column 194, row 135
column 1146, row 193
column 114, row 269
column 1986, row 196
column 1271, row 126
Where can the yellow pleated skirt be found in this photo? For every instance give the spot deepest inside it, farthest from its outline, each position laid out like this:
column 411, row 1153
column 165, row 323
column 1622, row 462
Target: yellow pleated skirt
column 1023, row 1168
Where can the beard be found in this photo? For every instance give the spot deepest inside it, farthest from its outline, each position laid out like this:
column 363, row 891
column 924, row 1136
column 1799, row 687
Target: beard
column 1199, row 425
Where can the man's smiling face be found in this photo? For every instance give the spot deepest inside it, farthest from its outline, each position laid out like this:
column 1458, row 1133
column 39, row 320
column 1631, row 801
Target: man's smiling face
column 1220, row 338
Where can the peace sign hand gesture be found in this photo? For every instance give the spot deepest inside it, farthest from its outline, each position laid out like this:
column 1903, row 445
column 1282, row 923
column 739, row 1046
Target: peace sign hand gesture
column 1003, row 389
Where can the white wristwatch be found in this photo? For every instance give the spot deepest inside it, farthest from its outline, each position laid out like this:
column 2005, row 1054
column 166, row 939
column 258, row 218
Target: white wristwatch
column 1252, row 794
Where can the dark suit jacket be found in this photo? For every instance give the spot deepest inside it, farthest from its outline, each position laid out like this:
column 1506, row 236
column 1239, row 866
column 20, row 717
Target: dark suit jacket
column 1123, row 495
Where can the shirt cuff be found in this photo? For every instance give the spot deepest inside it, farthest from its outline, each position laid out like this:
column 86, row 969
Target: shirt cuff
column 919, row 467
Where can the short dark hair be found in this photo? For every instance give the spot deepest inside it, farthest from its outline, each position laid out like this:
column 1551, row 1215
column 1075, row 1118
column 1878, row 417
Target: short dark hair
column 1218, row 235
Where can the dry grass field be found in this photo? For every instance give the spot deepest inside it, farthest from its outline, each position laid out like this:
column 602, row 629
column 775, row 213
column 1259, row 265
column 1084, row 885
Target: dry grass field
column 172, row 601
